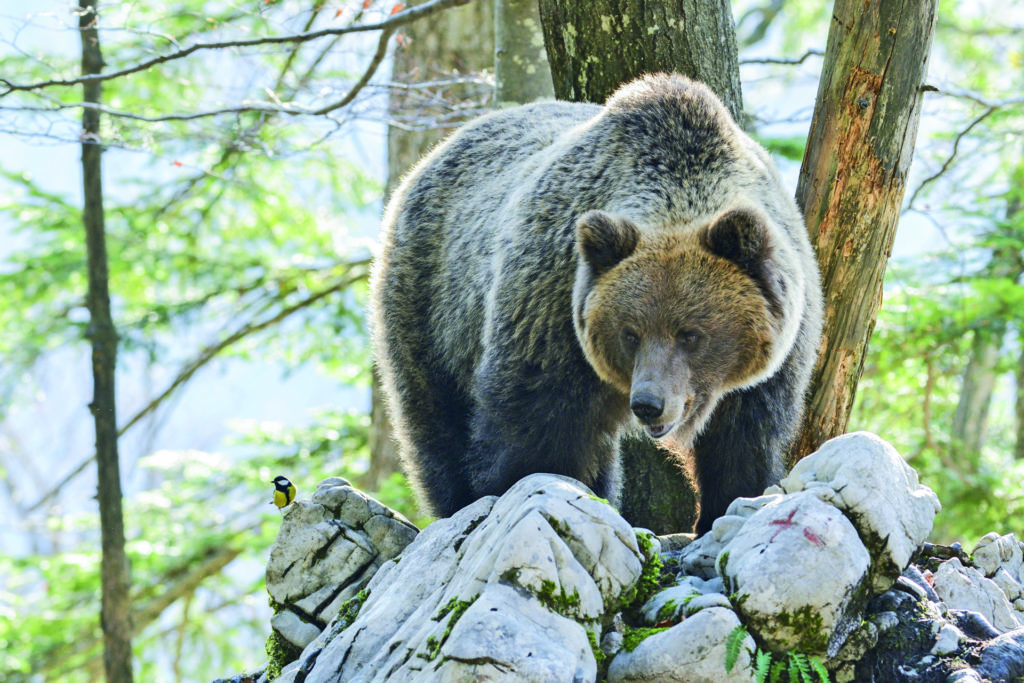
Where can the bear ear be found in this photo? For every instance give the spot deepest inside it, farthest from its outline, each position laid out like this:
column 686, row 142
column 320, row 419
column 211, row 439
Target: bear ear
column 740, row 236
column 604, row 240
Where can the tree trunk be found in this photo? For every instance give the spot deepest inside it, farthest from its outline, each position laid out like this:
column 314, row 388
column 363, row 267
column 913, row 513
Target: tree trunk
column 594, row 47
column 521, row 72
column 852, row 182
column 979, row 381
column 116, row 606
column 443, row 44
column 1018, row 450
column 981, row 373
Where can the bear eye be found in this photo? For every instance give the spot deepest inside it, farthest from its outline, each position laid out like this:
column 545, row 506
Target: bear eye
column 630, row 338
column 688, row 339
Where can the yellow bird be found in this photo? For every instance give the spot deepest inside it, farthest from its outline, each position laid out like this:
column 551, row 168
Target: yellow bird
column 284, row 492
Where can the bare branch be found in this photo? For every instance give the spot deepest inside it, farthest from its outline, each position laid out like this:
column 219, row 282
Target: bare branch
column 991, row 106
column 952, row 155
column 770, row 60
column 209, row 353
column 388, row 26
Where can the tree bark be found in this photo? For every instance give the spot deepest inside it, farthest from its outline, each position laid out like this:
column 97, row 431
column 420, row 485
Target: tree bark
column 851, row 185
column 979, row 381
column 521, row 72
column 449, row 42
column 1018, row 449
column 981, row 373
column 595, row 46
column 116, row 604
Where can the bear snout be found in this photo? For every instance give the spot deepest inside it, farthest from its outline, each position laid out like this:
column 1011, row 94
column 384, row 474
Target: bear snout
column 646, row 406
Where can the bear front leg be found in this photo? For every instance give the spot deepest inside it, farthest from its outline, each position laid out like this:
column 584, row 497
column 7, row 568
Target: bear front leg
column 529, row 420
column 741, row 450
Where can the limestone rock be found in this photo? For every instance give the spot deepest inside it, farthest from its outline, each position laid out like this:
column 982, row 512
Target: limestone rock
column 689, row 596
column 326, row 551
column 947, row 639
column 690, row 652
column 966, row 588
column 504, row 589
column 868, row 480
column 995, row 552
column 1002, row 659
column 808, row 602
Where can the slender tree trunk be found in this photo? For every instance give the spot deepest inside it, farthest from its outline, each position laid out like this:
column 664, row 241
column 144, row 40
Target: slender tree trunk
column 594, row 47
column 852, row 182
column 980, row 374
column 979, row 381
column 1018, row 450
column 448, row 43
column 521, row 72
column 115, row 611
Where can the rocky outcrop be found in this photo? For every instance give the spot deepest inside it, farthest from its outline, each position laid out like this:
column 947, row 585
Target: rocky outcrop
column 327, row 550
column 549, row 583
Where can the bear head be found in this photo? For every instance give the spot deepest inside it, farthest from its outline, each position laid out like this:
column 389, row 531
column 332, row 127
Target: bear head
column 676, row 319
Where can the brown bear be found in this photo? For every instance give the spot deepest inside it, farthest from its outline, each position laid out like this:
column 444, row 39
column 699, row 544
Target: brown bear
column 556, row 273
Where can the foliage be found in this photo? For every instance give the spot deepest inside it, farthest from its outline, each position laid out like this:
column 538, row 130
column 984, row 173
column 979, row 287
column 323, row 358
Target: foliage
column 732, row 646
column 232, row 240
column 241, row 239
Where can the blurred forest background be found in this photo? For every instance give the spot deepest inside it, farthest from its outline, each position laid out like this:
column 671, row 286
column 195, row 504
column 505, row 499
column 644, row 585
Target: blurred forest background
column 243, row 183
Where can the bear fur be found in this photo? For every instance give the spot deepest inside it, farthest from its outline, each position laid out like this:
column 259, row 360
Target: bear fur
column 554, row 271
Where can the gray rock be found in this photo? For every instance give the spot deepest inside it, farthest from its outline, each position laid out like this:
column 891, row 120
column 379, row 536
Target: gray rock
column 725, row 527
column 611, row 643
column 699, row 558
column 994, row 552
column 744, row 507
column 690, row 652
column 1003, row 658
column 506, row 635
column 292, row 628
column 674, row 602
column 1007, row 584
column 914, row 574
column 504, row 589
column 974, row 624
column 704, row 602
column 866, row 478
column 966, row 588
column 947, row 640
column 808, row 604
column 327, row 550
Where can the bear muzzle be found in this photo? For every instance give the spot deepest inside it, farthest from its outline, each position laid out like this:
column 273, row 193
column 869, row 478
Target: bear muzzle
column 650, row 409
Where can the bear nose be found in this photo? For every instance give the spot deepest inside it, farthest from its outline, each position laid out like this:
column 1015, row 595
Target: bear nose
column 647, row 407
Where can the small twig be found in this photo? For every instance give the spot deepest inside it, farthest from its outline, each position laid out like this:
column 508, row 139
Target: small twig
column 952, row 155
column 389, row 25
column 205, row 356
column 772, row 60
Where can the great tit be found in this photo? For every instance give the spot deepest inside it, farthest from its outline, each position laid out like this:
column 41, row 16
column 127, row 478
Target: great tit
column 284, row 492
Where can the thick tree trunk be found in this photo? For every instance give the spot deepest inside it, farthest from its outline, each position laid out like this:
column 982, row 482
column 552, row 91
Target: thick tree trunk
column 594, row 47
column 521, row 72
column 852, row 182
column 116, row 604
column 447, row 43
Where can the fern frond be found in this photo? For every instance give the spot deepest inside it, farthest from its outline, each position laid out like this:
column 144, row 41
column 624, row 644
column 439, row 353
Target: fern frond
column 732, row 646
